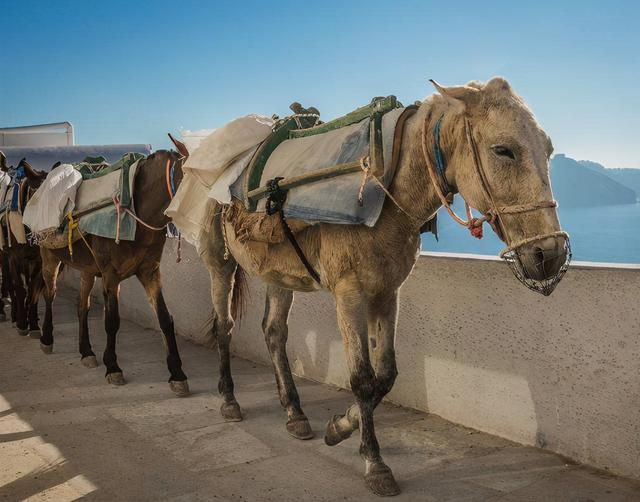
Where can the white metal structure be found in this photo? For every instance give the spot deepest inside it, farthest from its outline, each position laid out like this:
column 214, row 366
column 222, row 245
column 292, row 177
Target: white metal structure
column 56, row 134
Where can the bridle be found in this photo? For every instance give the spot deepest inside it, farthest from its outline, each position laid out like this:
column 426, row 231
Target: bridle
column 494, row 216
column 495, row 213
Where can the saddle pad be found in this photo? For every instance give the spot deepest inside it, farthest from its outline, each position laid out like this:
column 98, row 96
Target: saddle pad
column 98, row 191
column 91, row 199
column 5, row 181
column 333, row 200
column 11, row 219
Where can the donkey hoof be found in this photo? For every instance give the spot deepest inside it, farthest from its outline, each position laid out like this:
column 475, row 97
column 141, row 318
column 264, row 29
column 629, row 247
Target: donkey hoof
column 35, row 333
column 333, row 435
column 89, row 362
column 180, row 388
column 47, row 349
column 22, row 332
column 380, row 481
column 115, row 378
column 300, row 428
column 231, row 412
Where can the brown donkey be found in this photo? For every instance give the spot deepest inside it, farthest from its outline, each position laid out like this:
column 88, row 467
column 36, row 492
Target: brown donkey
column 496, row 157
column 115, row 262
column 24, row 265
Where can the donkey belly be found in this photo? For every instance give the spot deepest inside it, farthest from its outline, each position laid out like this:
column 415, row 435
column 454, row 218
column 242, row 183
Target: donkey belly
column 276, row 264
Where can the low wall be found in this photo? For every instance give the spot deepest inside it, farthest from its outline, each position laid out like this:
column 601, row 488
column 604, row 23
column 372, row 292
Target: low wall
column 473, row 346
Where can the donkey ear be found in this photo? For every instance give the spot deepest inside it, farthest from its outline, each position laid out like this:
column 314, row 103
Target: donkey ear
column 180, row 146
column 457, row 95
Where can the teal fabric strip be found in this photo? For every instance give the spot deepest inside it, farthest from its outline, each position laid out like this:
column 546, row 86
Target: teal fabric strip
column 103, row 223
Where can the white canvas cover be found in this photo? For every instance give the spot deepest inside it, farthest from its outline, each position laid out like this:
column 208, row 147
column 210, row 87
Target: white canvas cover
column 220, row 156
column 224, row 145
column 53, row 199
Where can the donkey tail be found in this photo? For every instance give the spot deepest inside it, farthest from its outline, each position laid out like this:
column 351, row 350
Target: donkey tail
column 239, row 294
column 37, row 287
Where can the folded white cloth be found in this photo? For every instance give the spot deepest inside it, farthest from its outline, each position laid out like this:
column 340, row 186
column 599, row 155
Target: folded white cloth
column 53, row 200
column 210, row 169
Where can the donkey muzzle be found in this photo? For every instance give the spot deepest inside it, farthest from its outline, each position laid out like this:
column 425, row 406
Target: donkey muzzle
column 541, row 262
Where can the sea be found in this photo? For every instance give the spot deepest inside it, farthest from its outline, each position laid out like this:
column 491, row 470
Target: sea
column 598, row 234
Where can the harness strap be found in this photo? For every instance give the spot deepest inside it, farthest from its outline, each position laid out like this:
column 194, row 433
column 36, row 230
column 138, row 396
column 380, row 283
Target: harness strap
column 74, row 224
column 169, row 173
column 275, row 204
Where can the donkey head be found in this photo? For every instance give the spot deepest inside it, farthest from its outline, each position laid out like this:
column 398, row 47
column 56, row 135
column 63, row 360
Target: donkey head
column 500, row 165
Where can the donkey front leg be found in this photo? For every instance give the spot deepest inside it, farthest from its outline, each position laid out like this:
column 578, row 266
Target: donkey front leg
column 381, row 320
column 150, row 279
column 274, row 326
column 368, row 388
column 50, row 267
column 88, row 357
column 111, row 292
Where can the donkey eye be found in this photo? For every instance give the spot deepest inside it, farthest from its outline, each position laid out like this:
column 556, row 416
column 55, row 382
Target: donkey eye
column 503, row 151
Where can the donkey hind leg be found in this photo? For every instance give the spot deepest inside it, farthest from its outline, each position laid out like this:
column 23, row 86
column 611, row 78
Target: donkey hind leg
column 5, row 285
column 369, row 385
column 50, row 267
column 150, row 279
column 20, row 295
column 88, row 357
column 111, row 292
column 34, row 285
column 222, row 284
column 274, row 326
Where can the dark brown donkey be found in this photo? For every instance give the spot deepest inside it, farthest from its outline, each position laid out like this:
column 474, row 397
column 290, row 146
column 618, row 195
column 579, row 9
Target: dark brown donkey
column 103, row 257
column 23, row 260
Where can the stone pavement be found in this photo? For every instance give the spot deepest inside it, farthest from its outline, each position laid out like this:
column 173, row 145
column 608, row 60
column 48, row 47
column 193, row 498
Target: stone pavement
column 66, row 434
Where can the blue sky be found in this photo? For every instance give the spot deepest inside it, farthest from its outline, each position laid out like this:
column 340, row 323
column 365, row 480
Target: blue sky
column 129, row 71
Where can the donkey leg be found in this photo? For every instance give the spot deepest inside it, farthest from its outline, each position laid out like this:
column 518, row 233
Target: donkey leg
column 33, row 320
column 6, row 288
column 50, row 267
column 111, row 325
column 20, row 296
column 381, row 320
column 353, row 322
column 274, row 326
column 87, row 356
column 35, row 284
column 150, row 278
column 222, row 281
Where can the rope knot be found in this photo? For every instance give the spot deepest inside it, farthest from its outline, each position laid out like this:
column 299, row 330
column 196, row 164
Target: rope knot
column 475, row 227
column 366, row 173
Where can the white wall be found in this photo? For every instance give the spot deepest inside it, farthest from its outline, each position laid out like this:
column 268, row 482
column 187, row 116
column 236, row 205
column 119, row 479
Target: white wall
column 473, row 346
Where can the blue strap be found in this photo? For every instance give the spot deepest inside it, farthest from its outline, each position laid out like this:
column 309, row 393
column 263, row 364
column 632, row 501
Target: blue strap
column 440, row 165
column 171, row 178
column 15, row 195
